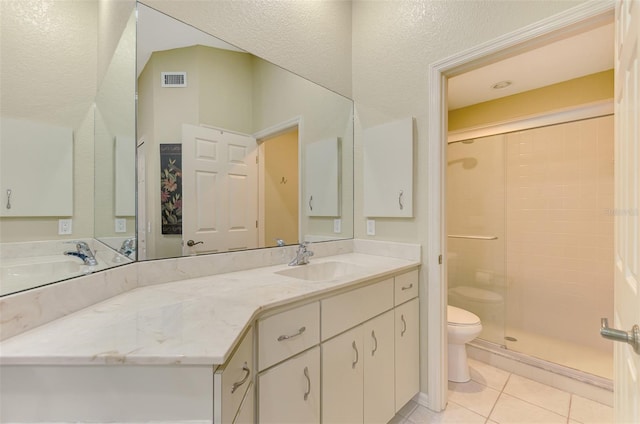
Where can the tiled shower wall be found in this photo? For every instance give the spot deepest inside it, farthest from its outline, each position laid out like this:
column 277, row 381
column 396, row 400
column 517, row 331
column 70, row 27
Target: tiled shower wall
column 559, row 201
column 547, row 194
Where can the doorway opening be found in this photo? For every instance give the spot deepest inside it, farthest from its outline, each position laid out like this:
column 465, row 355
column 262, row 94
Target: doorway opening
column 279, row 189
column 561, row 26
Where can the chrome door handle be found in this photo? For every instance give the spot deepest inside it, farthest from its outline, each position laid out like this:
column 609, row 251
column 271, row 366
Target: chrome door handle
column 404, row 325
column 400, row 200
column 310, row 204
column 632, row 337
column 355, row 348
column 237, row 384
column 192, row 243
column 375, row 343
column 306, row 375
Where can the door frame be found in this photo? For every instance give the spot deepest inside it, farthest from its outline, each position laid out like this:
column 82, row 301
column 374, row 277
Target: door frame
column 262, row 136
column 562, row 25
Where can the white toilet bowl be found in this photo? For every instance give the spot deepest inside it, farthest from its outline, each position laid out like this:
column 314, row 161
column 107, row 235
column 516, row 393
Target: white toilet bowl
column 462, row 327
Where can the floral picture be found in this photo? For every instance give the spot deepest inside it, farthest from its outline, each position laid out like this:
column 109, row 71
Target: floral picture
column 171, row 188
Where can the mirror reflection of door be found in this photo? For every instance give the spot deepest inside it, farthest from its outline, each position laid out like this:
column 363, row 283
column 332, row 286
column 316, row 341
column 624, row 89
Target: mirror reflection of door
column 220, row 190
column 279, row 189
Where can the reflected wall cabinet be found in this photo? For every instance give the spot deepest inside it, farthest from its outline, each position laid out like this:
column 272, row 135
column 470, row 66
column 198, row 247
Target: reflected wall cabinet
column 36, row 172
column 322, row 178
column 388, row 169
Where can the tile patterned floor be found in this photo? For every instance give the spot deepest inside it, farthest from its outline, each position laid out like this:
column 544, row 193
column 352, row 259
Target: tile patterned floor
column 494, row 396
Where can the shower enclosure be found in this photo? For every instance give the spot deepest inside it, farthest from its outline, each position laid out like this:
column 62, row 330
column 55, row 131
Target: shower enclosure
column 530, row 246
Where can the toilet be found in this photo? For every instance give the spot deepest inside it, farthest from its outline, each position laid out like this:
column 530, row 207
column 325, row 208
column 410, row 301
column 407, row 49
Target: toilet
column 462, row 327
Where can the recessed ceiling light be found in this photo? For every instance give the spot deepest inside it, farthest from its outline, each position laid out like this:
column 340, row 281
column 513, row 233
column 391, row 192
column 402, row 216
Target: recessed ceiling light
column 500, row 85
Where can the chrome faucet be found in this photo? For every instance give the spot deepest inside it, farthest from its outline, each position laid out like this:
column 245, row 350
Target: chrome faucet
column 83, row 252
column 302, row 255
column 128, row 247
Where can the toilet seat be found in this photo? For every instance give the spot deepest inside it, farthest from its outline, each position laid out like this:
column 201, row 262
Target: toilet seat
column 460, row 318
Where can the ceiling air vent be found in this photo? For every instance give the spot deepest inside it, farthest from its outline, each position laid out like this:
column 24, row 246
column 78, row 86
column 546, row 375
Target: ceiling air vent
column 174, row 79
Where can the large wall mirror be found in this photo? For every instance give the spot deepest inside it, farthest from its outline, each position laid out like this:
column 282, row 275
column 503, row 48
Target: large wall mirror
column 234, row 152
column 68, row 96
column 79, row 80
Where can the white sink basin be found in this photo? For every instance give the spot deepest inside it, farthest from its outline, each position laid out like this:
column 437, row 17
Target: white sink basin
column 321, row 271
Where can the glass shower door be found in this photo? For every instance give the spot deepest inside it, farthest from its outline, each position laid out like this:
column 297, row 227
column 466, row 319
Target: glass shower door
column 476, row 231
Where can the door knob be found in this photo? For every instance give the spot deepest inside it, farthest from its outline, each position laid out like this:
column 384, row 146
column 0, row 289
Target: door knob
column 632, row 337
column 192, row 243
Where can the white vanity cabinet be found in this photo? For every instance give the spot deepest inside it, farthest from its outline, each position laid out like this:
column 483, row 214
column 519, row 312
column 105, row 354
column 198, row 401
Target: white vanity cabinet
column 362, row 342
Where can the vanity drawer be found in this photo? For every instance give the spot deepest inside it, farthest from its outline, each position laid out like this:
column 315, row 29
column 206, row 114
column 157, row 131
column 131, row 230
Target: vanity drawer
column 288, row 333
column 406, row 287
column 344, row 311
column 232, row 380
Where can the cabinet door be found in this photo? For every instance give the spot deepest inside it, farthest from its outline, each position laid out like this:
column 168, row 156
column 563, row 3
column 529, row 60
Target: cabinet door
column 378, row 338
column 388, row 169
column 232, row 380
column 342, row 378
column 407, row 352
column 246, row 411
column 290, row 392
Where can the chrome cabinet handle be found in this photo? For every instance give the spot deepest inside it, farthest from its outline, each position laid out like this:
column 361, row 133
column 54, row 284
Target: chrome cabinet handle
column 404, row 325
column 355, row 348
column 192, row 243
column 410, row 286
column 237, row 384
column 375, row 343
column 310, row 204
column 400, row 200
column 285, row 337
column 8, row 198
column 632, row 337
column 306, row 374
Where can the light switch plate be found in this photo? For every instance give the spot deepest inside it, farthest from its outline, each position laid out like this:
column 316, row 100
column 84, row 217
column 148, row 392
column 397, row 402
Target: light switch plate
column 121, row 225
column 371, row 227
column 337, row 226
column 65, row 227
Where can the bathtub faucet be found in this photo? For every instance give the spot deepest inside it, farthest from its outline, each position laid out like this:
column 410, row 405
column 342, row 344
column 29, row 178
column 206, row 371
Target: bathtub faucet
column 83, row 252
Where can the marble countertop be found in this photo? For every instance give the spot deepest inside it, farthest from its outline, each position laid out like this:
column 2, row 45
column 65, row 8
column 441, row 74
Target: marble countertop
column 193, row 322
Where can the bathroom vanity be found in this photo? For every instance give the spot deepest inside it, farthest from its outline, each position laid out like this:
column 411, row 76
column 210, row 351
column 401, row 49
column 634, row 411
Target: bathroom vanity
column 336, row 339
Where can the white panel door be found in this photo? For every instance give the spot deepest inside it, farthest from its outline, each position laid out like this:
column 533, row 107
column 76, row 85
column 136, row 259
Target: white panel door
column 220, row 190
column 627, row 219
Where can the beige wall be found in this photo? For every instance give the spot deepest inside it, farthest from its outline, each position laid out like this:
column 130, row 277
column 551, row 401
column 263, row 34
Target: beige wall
column 575, row 92
column 281, row 188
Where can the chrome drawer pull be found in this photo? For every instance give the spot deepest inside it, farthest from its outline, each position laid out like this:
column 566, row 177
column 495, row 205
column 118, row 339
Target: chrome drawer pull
column 375, row 343
column 404, row 325
column 237, row 384
column 285, row 337
column 400, row 200
column 410, row 286
column 353, row 364
column 306, row 374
